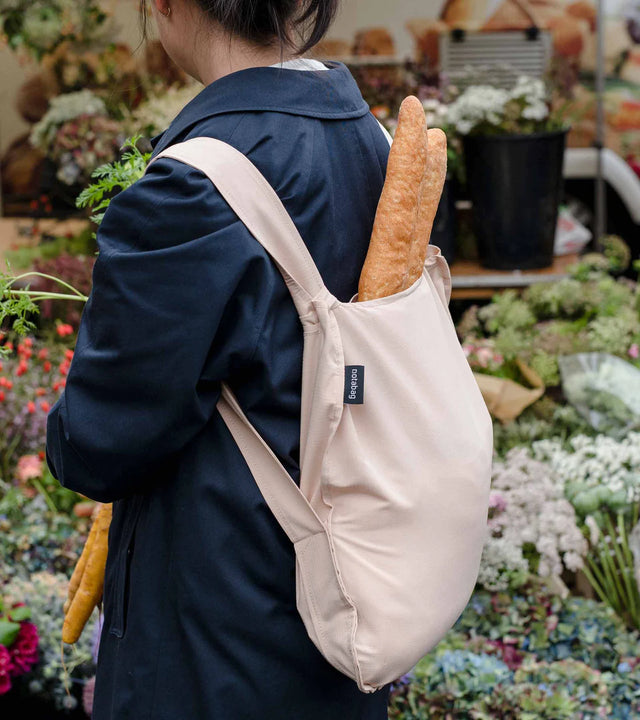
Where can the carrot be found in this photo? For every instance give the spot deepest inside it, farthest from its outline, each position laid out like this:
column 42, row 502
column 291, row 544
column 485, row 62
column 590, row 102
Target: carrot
column 89, row 592
column 386, row 266
column 430, row 194
column 78, row 571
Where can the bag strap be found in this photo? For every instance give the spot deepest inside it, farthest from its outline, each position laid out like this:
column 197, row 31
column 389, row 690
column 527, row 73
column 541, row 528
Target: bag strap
column 284, row 498
column 259, row 208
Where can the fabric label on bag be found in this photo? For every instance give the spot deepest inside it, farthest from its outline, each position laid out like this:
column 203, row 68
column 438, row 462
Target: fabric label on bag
column 354, row 384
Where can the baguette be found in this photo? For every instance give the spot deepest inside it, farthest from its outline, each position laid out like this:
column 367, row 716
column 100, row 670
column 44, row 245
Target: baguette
column 430, row 194
column 386, row 266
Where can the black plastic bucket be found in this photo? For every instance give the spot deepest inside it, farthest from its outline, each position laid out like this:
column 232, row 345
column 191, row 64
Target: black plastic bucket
column 443, row 233
column 515, row 185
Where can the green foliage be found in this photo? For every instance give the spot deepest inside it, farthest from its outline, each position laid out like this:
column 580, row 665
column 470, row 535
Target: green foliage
column 610, row 569
column 49, row 248
column 507, row 310
column 116, row 176
column 545, row 419
column 617, row 253
column 16, row 306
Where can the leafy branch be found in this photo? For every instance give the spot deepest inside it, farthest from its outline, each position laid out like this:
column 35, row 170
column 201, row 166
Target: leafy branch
column 118, row 175
column 21, row 304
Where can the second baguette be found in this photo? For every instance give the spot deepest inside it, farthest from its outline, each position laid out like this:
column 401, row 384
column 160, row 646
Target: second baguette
column 430, row 194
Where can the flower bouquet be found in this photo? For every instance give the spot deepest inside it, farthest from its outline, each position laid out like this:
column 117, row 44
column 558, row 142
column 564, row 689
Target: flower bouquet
column 604, row 388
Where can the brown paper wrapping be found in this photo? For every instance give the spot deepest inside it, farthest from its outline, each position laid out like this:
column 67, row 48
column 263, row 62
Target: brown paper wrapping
column 506, row 399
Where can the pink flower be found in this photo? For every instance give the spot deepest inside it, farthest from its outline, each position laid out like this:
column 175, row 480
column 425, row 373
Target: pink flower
column 87, row 696
column 497, row 502
column 6, row 668
column 24, row 651
column 29, row 466
column 484, row 356
column 634, row 351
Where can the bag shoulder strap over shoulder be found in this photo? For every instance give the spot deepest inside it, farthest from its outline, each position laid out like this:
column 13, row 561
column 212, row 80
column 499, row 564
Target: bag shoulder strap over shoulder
column 259, row 208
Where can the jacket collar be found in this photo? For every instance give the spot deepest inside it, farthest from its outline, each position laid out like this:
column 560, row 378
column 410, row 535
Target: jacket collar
column 330, row 94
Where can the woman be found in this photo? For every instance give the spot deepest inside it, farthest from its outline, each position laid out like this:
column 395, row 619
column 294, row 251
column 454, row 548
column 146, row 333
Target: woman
column 200, row 619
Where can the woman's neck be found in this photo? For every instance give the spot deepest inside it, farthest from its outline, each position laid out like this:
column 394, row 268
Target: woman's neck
column 220, row 56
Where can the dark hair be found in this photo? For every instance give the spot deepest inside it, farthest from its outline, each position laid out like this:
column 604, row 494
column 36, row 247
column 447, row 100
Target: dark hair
column 265, row 22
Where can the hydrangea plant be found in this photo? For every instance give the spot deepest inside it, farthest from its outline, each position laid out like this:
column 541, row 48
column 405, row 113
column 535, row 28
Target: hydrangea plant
column 532, row 527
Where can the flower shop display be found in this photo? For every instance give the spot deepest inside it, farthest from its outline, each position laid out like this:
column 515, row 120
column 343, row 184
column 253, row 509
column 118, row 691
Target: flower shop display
column 515, row 213
column 590, row 311
column 564, row 505
column 526, row 655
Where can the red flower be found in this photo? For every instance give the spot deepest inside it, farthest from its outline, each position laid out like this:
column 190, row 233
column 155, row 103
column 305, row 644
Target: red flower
column 64, row 329
column 63, row 367
column 41, row 454
column 3, row 381
column 9, row 384
column 6, row 669
column 31, row 406
column 22, row 368
column 28, row 342
column 56, row 386
column 40, row 392
column 47, row 366
column 1, row 395
column 43, row 354
column 68, row 354
column 45, row 406
column 9, row 345
column 0, row 366
column 24, row 651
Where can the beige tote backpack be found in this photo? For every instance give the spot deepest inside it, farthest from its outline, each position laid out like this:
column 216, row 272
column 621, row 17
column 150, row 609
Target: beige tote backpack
column 390, row 517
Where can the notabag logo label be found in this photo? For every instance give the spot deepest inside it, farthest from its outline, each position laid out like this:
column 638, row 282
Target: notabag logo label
column 354, row 384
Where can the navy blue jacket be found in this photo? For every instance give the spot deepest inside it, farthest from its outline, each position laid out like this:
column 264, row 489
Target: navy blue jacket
column 199, row 600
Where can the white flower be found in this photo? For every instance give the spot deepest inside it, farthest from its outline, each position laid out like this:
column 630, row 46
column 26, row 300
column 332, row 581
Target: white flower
column 594, row 529
column 476, row 105
column 62, row 109
column 538, row 111
column 534, row 512
column 155, row 114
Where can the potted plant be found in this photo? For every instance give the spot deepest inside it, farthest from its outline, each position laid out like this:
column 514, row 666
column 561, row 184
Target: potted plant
column 513, row 146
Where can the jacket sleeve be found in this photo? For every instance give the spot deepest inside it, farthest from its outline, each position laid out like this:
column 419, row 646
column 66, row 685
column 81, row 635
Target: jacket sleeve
column 174, row 309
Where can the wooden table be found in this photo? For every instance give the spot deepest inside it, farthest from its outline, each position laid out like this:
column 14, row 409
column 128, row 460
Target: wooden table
column 472, row 281
column 18, row 232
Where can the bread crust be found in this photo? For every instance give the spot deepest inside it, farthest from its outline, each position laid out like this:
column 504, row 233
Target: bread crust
column 386, row 266
column 429, row 199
